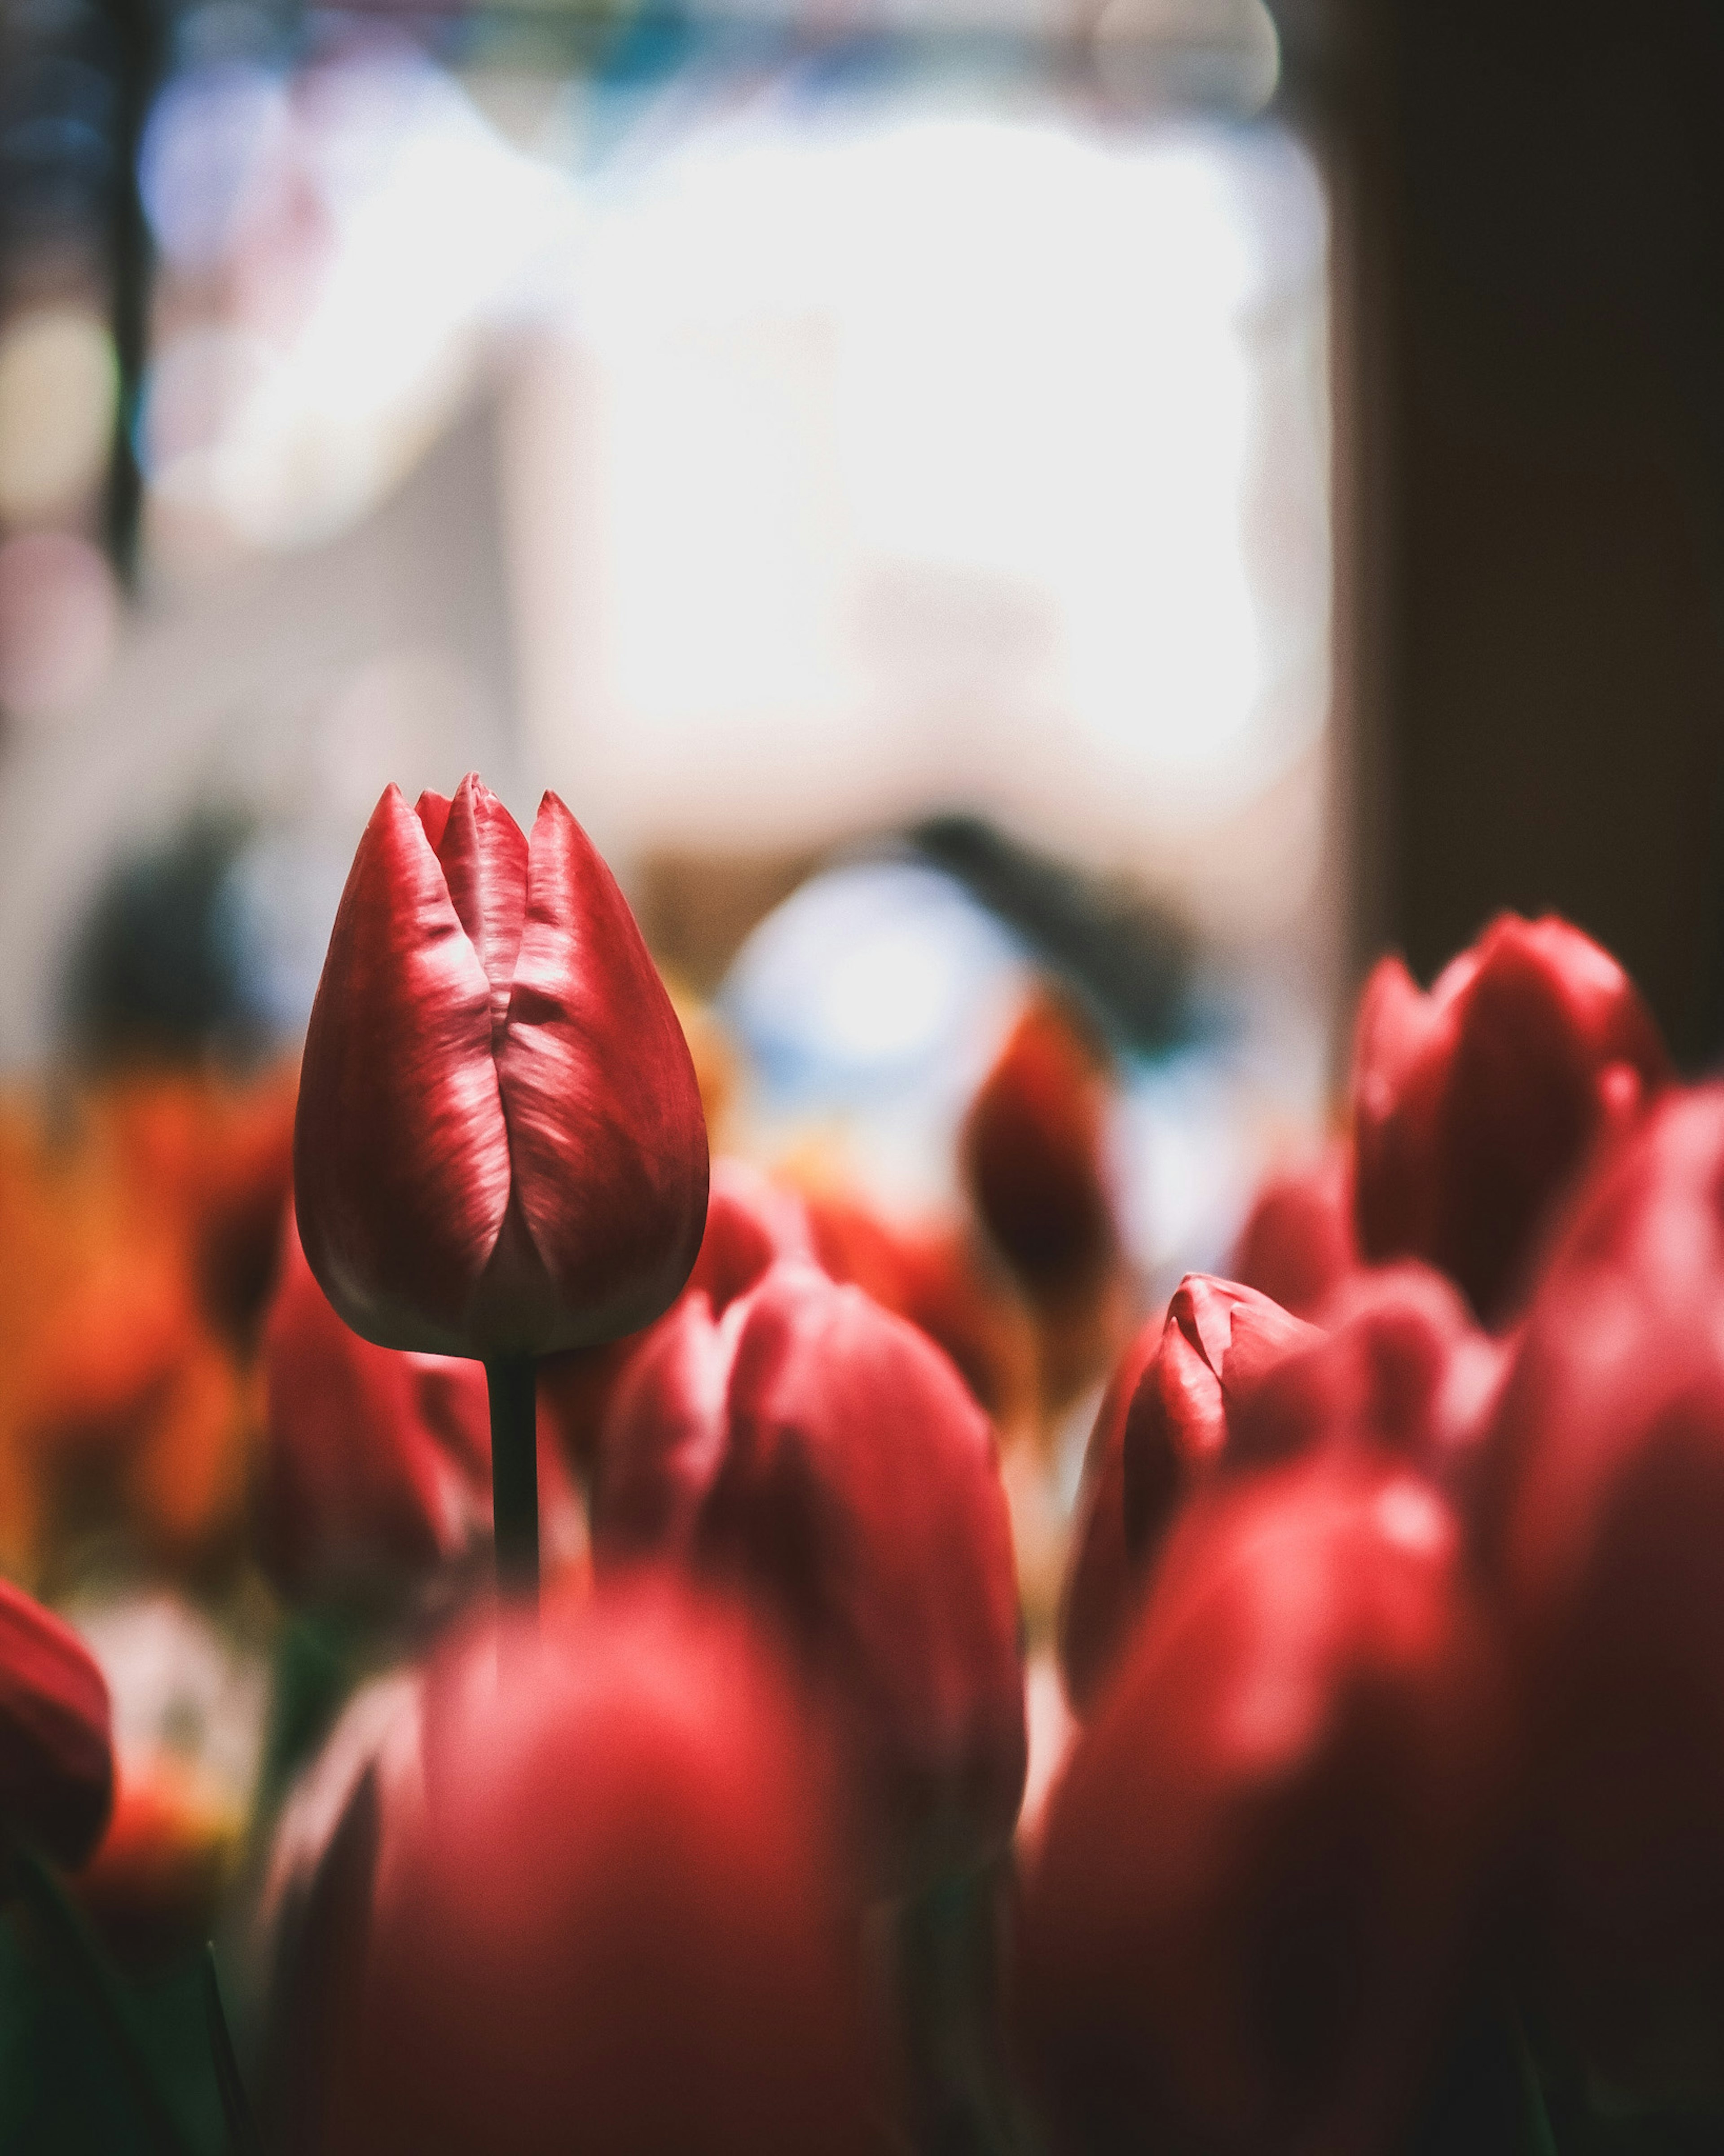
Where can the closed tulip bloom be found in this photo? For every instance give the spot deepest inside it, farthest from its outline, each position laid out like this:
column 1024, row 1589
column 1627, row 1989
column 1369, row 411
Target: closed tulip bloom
column 602, row 1916
column 1259, row 1873
column 1298, row 1244
column 56, row 1733
column 500, row 1149
column 1163, row 1425
column 1604, row 1521
column 1475, row 1106
column 1033, row 1149
column 1219, row 1342
column 822, row 1455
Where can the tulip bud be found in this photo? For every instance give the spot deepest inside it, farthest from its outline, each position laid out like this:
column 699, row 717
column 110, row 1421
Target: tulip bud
column 1297, row 1244
column 1258, row 1874
column 1219, row 1342
column 56, row 1740
column 375, row 1468
column 500, row 1149
column 1033, row 1154
column 1164, row 1423
column 1603, row 1517
column 604, row 1918
column 825, row 1457
column 1474, row 1107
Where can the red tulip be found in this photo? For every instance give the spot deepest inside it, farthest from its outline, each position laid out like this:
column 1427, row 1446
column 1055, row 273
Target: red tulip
column 1297, row 1244
column 500, row 1149
column 1258, row 1874
column 1219, row 1343
column 375, row 1467
column 56, row 1740
column 1474, row 1107
column 1033, row 1151
column 603, row 1918
column 1164, row 1423
column 822, row 1455
column 1605, row 1519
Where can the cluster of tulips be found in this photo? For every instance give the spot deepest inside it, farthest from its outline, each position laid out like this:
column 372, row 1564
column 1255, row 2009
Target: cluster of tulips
column 1394, row 1624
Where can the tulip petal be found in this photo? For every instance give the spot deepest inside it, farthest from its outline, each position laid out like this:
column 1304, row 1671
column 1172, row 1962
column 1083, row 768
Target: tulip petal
column 401, row 1152
column 431, row 810
column 482, row 851
column 605, row 1127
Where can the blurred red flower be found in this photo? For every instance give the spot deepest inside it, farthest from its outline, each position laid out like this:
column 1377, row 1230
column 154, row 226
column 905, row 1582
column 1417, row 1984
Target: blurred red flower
column 56, row 1737
column 1033, row 1154
column 500, row 1148
column 1258, row 1874
column 1603, row 1518
column 601, row 1912
column 822, row 1455
column 1474, row 1107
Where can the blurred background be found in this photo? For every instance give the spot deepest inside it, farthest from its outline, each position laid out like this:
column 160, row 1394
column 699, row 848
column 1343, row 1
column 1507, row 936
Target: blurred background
column 1147, row 502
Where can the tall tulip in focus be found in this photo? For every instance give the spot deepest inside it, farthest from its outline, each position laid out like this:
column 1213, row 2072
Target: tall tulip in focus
column 1257, row 1875
column 819, row 1454
column 500, row 1150
column 1475, row 1106
column 600, row 1912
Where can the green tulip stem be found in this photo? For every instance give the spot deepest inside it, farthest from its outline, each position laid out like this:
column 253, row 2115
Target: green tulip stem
column 514, row 1477
column 84, row 1961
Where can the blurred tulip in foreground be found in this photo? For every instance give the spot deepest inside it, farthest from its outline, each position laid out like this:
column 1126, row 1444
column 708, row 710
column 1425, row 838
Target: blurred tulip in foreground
column 56, row 1742
column 1605, row 1519
column 1257, row 1875
column 820, row 1454
column 500, row 1149
column 602, row 1914
column 1475, row 1106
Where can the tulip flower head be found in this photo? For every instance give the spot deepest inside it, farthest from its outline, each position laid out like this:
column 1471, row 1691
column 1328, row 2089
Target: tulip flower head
column 1257, row 1877
column 1603, row 1519
column 601, row 1912
column 56, row 1733
column 1163, row 1426
column 500, row 1150
column 819, row 1454
column 1474, row 1107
